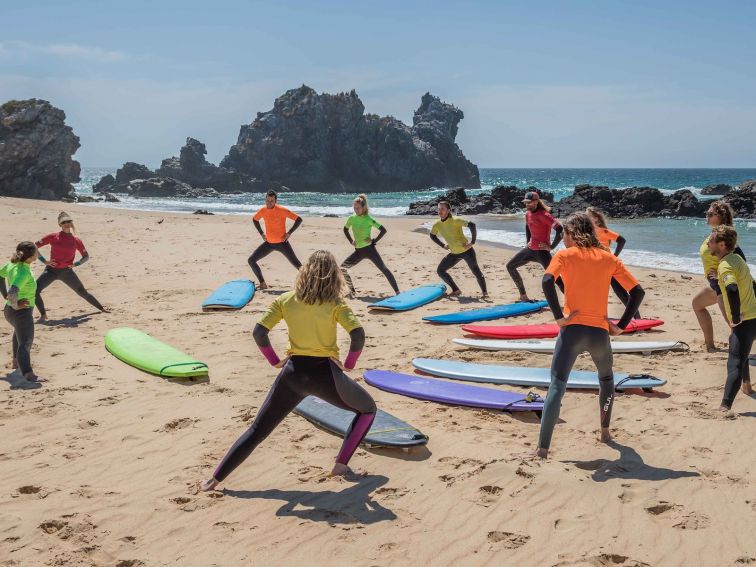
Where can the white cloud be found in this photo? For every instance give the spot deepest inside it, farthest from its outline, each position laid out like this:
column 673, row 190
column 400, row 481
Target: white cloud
column 63, row 50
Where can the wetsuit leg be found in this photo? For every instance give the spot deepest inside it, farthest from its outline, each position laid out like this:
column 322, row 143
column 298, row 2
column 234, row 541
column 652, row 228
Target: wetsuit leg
column 286, row 249
column 69, row 277
column 22, row 321
column 471, row 258
column 446, row 264
column 49, row 275
column 543, row 257
column 568, row 346
column 352, row 260
column 263, row 250
column 281, row 399
column 599, row 346
column 741, row 341
column 375, row 258
column 524, row 256
column 622, row 295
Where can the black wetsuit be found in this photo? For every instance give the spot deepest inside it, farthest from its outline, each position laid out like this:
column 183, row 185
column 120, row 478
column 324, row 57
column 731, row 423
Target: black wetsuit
column 617, row 288
column 451, row 260
column 22, row 321
column 741, row 340
column 68, row 277
column 527, row 255
column 369, row 252
column 714, row 282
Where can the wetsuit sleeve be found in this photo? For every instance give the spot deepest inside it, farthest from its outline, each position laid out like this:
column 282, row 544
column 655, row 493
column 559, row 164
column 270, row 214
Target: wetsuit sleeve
column 348, row 236
column 635, row 298
column 624, row 277
column 3, row 289
column 381, row 233
column 4, row 271
column 559, row 231
column 549, row 290
column 272, row 316
column 346, row 318
column 527, row 234
column 437, row 240
column 260, row 334
column 296, row 224
column 740, row 253
column 259, row 228
column 733, row 298
column 620, row 244
column 473, row 232
column 357, row 337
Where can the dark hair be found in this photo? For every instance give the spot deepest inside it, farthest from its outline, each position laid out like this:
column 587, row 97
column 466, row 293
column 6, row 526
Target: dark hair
column 727, row 234
column 580, row 228
column 272, row 193
column 24, row 251
column 723, row 211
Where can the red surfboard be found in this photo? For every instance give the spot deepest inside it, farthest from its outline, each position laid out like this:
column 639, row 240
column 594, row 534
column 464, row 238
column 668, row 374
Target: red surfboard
column 548, row 331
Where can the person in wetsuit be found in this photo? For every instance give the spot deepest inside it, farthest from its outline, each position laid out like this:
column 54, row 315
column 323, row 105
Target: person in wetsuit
column 362, row 225
column 606, row 237
column 312, row 367
column 449, row 228
column 275, row 237
column 587, row 269
column 60, row 266
column 719, row 213
column 538, row 225
column 18, row 286
column 739, row 297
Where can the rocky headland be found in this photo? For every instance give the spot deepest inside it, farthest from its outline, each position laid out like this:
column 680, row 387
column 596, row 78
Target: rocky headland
column 36, row 151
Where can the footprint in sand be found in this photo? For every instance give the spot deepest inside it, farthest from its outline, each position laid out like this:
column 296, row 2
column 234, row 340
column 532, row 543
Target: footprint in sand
column 508, row 540
column 129, row 563
column 660, row 508
column 177, row 424
column 604, row 560
column 693, row 521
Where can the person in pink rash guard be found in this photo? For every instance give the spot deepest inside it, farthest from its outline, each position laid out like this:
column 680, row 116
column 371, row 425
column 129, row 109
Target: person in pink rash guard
column 312, row 366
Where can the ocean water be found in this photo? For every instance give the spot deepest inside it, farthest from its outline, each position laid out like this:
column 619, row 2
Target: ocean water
column 655, row 243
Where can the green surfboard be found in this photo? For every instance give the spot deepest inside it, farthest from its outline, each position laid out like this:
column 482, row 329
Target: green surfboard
column 142, row 351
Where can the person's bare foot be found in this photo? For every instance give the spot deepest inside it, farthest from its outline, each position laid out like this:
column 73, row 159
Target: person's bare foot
column 208, row 485
column 456, row 293
column 484, row 296
column 714, row 348
column 723, row 409
column 345, row 472
column 14, row 364
column 262, row 285
column 525, row 298
column 105, row 310
column 31, row 377
column 42, row 319
column 747, row 388
column 605, row 436
column 542, row 453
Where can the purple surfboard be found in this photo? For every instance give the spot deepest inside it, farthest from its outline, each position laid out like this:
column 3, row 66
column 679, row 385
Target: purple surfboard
column 452, row 393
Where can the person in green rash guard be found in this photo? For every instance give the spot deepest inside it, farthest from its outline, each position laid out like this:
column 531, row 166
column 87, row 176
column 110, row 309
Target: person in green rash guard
column 19, row 287
column 362, row 225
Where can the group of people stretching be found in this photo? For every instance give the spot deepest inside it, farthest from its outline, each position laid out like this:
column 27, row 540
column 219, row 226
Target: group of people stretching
column 585, row 271
column 23, row 292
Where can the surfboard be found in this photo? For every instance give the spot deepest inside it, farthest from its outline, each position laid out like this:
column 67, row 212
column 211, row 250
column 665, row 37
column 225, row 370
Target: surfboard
column 231, row 295
column 411, row 299
column 142, row 351
column 432, row 390
column 386, row 431
column 618, row 347
column 525, row 376
column 487, row 313
column 547, row 331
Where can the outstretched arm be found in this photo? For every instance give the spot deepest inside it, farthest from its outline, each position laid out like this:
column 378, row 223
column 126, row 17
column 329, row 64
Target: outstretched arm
column 559, row 231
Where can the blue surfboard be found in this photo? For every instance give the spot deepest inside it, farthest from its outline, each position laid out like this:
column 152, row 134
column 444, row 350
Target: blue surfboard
column 487, row 313
column 411, row 298
column 231, row 295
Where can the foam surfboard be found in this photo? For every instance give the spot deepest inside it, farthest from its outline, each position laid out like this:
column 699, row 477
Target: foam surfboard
column 411, row 299
column 618, row 347
column 452, row 393
column 522, row 376
column 231, row 295
column 487, row 313
column 142, row 351
column 386, row 431
column 546, row 331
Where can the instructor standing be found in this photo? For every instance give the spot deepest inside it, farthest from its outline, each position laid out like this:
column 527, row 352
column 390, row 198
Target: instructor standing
column 276, row 237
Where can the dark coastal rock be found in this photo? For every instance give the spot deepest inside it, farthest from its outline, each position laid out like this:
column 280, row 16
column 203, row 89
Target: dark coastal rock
column 326, row 143
column 104, row 184
column 86, row 199
column 128, row 172
column 202, row 212
column 191, row 167
column 743, row 200
column 167, row 187
column 36, row 149
column 110, row 198
column 717, row 189
column 501, row 200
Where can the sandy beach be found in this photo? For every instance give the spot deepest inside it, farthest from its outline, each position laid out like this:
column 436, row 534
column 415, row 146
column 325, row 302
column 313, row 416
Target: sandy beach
column 100, row 464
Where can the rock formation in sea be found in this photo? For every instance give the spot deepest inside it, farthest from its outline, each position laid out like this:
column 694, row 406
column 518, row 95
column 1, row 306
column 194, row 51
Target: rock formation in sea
column 36, row 149
column 326, row 143
column 501, row 200
column 716, row 189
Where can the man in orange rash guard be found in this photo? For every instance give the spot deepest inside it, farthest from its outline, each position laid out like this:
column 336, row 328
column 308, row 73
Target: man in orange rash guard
column 586, row 269
column 276, row 237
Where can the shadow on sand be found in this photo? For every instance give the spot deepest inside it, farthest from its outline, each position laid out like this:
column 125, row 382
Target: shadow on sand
column 352, row 505
column 74, row 321
column 629, row 465
column 18, row 382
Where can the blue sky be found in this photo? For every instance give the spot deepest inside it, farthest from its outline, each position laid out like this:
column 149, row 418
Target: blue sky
column 542, row 84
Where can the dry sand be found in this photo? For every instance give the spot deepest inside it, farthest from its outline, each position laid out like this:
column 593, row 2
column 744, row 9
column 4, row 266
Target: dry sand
column 99, row 465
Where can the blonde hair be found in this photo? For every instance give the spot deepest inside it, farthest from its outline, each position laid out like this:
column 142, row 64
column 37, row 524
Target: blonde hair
column 73, row 227
column 362, row 200
column 723, row 211
column 727, row 234
column 597, row 215
column 541, row 205
column 580, row 228
column 319, row 280
column 24, row 251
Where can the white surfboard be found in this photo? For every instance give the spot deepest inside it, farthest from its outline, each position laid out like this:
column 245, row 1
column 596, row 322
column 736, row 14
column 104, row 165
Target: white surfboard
column 546, row 346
